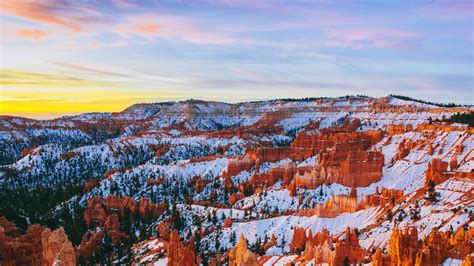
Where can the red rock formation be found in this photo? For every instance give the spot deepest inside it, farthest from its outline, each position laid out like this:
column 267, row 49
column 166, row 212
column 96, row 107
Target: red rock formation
column 199, row 183
column 234, row 197
column 227, row 223
column 240, row 255
column 436, row 171
column 430, row 149
column 333, row 207
column 347, row 250
column 298, row 241
column 321, row 248
column 57, row 250
column 360, row 169
column 461, row 243
column 110, row 173
column 114, row 204
column 403, row 246
column 177, row 253
column 284, row 174
column 395, row 129
column 235, row 166
column 352, row 169
column 154, row 182
column 377, row 258
column 17, row 249
column 163, row 230
column 435, row 252
column 149, row 209
column 272, row 242
column 112, row 228
column 382, row 198
column 39, row 246
column 94, row 215
column 90, row 184
column 468, row 261
column 69, row 155
column 453, row 164
column 89, row 244
column 9, row 228
column 292, row 189
column 404, row 148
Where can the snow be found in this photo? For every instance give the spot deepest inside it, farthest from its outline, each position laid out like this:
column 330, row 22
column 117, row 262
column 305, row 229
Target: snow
column 281, row 226
column 452, row 262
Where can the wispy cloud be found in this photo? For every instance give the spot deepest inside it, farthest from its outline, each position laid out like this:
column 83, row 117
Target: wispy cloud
column 51, row 12
column 367, row 37
column 87, row 69
column 124, row 4
column 169, row 26
column 23, row 78
column 33, row 34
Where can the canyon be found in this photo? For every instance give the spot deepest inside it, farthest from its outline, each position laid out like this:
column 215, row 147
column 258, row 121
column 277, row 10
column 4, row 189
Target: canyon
column 339, row 181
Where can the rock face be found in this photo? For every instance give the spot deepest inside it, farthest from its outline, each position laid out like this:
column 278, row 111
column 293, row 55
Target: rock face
column 179, row 254
column 344, row 159
column 236, row 166
column 299, row 239
column 57, row 250
column 395, row 129
column 322, row 248
column 436, row 171
column 333, row 207
column 22, row 250
column 106, row 215
column 381, row 198
column 355, row 169
column 39, row 246
column 347, row 250
column 240, row 255
column 403, row 246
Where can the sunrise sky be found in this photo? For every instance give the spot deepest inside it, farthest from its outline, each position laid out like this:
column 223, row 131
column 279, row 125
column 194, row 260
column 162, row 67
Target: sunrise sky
column 67, row 57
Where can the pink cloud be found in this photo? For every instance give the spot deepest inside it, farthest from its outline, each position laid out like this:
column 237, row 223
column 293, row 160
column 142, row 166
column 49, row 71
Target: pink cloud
column 34, row 34
column 168, row 26
column 358, row 38
column 124, row 4
column 69, row 15
column 41, row 11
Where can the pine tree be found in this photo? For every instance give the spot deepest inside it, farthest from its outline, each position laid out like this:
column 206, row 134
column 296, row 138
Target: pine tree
column 432, row 194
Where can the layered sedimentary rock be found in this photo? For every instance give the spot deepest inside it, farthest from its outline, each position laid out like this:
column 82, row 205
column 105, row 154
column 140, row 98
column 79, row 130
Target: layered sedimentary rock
column 395, row 129
column 39, row 246
column 235, row 166
column 106, row 216
column 274, row 154
column 403, row 246
column 284, row 173
column 381, row 198
column 94, row 213
column 25, row 249
column 240, row 255
column 179, row 254
column 436, row 171
column 347, row 250
column 89, row 244
column 333, row 207
column 404, row 148
column 323, row 249
column 57, row 250
column 356, row 169
column 299, row 239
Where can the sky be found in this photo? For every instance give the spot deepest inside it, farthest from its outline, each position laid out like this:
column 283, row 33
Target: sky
column 62, row 57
